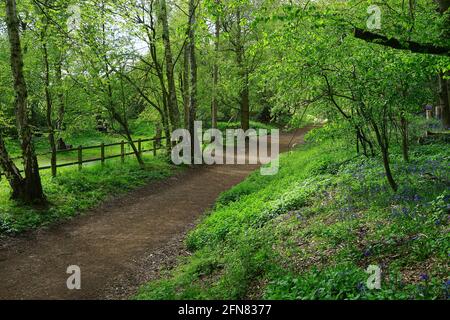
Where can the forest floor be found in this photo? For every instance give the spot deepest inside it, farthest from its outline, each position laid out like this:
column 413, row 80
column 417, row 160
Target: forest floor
column 311, row 231
column 123, row 242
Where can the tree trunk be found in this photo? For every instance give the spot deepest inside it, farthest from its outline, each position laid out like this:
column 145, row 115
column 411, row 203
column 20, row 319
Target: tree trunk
column 164, row 112
column 444, row 85
column 357, row 143
column 444, row 100
column 245, row 105
column 387, row 168
column 49, row 102
column 447, row 116
column 32, row 191
column 136, row 152
column 405, row 137
column 174, row 113
column 244, row 90
column 360, row 139
column 60, row 95
column 166, row 128
column 185, row 86
column 384, row 146
column 215, row 103
column 150, row 30
column 127, row 134
column 193, row 76
column 10, row 170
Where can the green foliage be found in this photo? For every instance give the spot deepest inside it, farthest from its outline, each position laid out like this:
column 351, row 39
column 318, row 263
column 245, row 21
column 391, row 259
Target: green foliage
column 346, row 282
column 311, row 231
column 237, row 125
column 307, row 232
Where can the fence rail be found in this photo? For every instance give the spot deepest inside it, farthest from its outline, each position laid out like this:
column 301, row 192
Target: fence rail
column 157, row 144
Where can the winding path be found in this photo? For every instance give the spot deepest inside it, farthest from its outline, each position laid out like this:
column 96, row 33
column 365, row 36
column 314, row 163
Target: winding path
column 122, row 243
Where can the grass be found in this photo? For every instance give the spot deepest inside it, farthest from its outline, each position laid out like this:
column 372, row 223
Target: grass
column 311, row 231
column 237, row 125
column 72, row 191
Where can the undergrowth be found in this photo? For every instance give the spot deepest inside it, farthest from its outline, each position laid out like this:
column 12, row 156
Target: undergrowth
column 311, row 231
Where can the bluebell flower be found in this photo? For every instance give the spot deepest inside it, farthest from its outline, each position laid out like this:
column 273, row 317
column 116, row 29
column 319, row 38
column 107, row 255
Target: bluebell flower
column 361, row 287
column 424, row 277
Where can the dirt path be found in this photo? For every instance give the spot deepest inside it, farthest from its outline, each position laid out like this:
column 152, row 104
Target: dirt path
column 122, row 243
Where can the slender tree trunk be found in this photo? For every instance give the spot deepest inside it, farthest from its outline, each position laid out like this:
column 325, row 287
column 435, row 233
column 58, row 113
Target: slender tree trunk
column 185, row 86
column 136, row 152
column 164, row 112
column 166, row 128
column 444, row 85
column 193, row 75
column 245, row 105
column 32, row 191
column 49, row 102
column 174, row 113
column 405, row 137
column 444, row 100
column 384, row 146
column 244, row 91
column 357, row 143
column 361, row 140
column 60, row 95
column 447, row 119
column 387, row 167
column 215, row 103
column 123, row 122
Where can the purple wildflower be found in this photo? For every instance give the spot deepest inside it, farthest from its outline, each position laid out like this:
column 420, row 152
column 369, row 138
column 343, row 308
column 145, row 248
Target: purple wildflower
column 424, row 277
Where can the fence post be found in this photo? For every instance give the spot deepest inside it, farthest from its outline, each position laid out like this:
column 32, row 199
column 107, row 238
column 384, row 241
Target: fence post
column 140, row 147
column 122, row 151
column 102, row 153
column 80, row 157
column 154, row 148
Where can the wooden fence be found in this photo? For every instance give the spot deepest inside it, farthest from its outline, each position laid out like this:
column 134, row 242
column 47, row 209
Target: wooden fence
column 157, row 144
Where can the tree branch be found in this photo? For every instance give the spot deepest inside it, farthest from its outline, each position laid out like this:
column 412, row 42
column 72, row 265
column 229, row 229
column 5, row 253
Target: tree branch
column 412, row 46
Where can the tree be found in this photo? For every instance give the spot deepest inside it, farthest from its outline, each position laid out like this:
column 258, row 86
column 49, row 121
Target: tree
column 146, row 73
column 49, row 102
column 174, row 112
column 103, row 62
column 370, row 92
column 424, row 48
column 233, row 26
column 215, row 100
column 193, row 73
column 28, row 189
